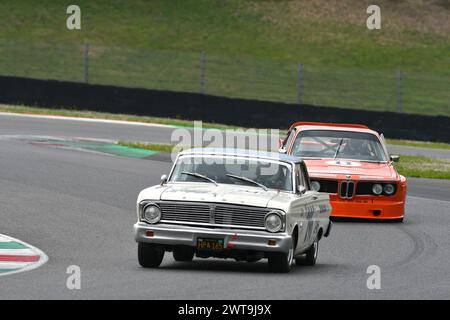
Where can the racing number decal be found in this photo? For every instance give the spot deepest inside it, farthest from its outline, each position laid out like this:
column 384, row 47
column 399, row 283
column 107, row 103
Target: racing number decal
column 313, row 224
column 309, row 216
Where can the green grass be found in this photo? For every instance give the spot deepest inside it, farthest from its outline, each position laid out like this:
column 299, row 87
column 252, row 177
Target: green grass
column 423, row 167
column 166, row 148
column 252, row 48
column 419, row 144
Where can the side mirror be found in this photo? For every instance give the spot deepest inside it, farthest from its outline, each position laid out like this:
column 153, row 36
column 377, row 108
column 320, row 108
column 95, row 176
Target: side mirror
column 301, row 189
column 163, row 179
column 395, row 158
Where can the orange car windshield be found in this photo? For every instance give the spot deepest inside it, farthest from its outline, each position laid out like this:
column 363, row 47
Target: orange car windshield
column 339, row 144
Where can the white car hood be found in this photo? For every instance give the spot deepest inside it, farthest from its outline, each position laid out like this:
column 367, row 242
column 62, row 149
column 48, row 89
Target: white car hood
column 232, row 194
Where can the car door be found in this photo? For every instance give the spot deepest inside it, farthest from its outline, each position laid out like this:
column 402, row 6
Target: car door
column 305, row 205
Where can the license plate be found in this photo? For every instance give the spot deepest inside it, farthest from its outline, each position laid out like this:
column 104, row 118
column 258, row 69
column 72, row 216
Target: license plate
column 210, row 244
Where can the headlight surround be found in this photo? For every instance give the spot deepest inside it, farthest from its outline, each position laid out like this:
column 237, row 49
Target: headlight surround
column 389, row 189
column 151, row 213
column 377, row 188
column 315, row 185
column 274, row 221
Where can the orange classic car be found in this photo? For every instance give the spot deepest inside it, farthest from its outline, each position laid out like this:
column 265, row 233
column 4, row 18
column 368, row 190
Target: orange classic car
column 351, row 163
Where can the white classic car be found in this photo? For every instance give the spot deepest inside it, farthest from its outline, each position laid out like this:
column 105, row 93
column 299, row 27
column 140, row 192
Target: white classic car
column 230, row 203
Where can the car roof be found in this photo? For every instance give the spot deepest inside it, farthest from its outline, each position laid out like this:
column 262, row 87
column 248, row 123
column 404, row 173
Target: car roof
column 333, row 127
column 267, row 155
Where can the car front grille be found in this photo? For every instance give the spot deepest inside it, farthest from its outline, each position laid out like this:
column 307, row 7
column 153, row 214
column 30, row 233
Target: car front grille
column 187, row 212
column 240, row 215
column 347, row 189
column 213, row 214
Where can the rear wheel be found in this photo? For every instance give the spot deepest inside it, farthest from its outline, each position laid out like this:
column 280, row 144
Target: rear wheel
column 149, row 255
column 281, row 262
column 310, row 257
column 184, row 254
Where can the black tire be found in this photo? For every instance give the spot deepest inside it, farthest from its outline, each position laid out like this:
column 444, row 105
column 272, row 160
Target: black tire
column 310, row 257
column 281, row 262
column 149, row 256
column 183, row 254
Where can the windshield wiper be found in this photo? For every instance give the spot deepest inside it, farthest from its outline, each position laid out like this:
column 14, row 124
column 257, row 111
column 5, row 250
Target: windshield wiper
column 198, row 175
column 248, row 180
column 338, row 148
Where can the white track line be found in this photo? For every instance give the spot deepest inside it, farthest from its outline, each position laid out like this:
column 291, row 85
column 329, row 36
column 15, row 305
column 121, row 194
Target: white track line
column 81, row 119
column 17, row 252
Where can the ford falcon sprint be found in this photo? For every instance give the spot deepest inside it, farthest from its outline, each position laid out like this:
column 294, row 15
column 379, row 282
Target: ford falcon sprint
column 228, row 203
column 351, row 163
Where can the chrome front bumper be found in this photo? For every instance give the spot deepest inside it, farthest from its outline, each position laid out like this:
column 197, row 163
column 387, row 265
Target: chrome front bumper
column 169, row 234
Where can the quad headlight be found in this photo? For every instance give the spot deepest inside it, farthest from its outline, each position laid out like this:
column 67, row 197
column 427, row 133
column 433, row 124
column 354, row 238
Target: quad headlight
column 377, row 189
column 315, row 185
column 274, row 221
column 151, row 213
column 389, row 189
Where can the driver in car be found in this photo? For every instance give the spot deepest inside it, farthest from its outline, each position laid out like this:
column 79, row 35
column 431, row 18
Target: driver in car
column 356, row 147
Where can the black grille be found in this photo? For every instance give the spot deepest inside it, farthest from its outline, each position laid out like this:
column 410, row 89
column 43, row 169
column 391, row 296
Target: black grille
column 328, row 186
column 347, row 189
column 364, row 188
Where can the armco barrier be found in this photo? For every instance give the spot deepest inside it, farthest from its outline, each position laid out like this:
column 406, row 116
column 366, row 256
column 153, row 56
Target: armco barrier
column 192, row 106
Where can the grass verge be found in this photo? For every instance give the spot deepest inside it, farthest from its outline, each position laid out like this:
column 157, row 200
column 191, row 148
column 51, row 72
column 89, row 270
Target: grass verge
column 160, row 147
column 419, row 144
column 423, row 167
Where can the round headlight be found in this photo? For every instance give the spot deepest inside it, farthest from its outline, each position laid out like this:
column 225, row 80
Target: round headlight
column 377, row 188
column 315, row 185
column 151, row 213
column 273, row 222
column 389, row 189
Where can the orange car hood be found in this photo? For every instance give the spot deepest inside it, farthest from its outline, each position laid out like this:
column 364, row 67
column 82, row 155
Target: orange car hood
column 330, row 168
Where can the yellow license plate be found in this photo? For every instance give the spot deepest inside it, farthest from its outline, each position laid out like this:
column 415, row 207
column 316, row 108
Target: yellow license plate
column 210, row 244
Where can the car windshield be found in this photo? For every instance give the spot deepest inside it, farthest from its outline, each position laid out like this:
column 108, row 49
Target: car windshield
column 338, row 144
column 258, row 173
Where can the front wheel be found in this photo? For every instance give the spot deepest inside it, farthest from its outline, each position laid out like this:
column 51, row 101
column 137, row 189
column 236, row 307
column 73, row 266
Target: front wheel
column 310, row 255
column 149, row 256
column 281, row 262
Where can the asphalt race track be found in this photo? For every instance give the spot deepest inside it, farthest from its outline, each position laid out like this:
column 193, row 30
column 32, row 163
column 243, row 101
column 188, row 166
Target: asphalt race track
column 79, row 208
